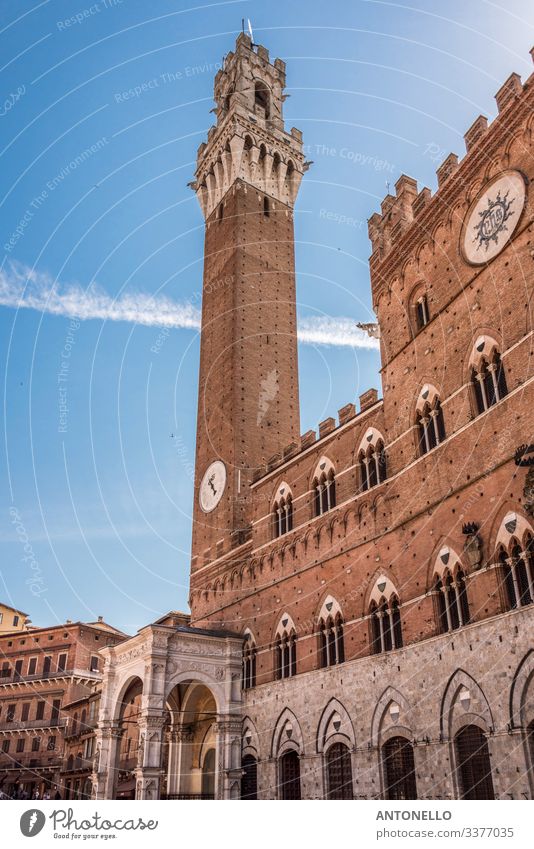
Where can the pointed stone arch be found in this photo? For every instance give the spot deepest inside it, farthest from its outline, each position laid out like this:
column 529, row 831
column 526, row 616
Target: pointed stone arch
column 323, row 467
column 463, row 703
column 285, row 625
column 513, row 525
column 251, row 739
column 383, row 587
column 287, row 734
column 328, row 607
column 328, row 730
column 518, row 706
column 387, row 721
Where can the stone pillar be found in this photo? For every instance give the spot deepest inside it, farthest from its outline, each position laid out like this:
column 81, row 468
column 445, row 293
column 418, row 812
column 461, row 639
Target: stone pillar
column 228, row 763
column 507, row 782
column 268, row 778
column 179, row 772
column 149, row 769
column 311, row 777
column 105, row 764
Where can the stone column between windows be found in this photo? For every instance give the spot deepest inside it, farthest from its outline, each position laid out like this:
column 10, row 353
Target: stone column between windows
column 391, row 628
column 434, row 417
column 425, row 422
column 482, row 387
column 366, row 462
column 445, row 591
column 454, row 585
column 510, row 562
column 380, row 614
column 377, row 466
column 492, row 368
column 528, row 566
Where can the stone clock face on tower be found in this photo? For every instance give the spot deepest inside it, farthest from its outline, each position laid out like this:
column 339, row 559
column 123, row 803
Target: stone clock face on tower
column 212, row 486
column 493, row 217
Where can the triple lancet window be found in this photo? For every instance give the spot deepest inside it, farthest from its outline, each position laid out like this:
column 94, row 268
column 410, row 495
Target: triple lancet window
column 429, row 418
column 488, row 377
column 324, row 486
column 372, row 460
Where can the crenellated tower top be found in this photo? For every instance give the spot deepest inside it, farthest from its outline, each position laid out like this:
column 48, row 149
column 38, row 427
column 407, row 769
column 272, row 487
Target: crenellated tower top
column 249, row 141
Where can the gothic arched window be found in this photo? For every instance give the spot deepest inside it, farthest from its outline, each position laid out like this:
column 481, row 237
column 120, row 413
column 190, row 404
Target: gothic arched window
column 373, row 463
column 331, row 641
column 282, row 513
column 518, row 573
column 285, row 654
column 249, row 663
column 386, row 625
column 325, row 492
column 431, row 426
column 399, row 769
column 339, row 772
column 489, row 381
column 422, row 314
column 453, row 604
column 474, row 765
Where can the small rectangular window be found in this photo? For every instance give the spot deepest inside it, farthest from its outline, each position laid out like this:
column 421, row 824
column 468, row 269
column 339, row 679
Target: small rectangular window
column 51, row 744
column 18, row 670
column 25, row 711
column 55, row 710
column 6, row 671
column 20, row 744
column 94, row 663
column 36, row 744
column 32, row 666
column 266, row 207
column 46, row 666
column 62, row 663
column 1, row 617
column 10, row 715
column 15, row 621
column 39, row 714
column 5, row 746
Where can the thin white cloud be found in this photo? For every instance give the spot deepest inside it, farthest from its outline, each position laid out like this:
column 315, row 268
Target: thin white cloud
column 325, row 330
column 25, row 288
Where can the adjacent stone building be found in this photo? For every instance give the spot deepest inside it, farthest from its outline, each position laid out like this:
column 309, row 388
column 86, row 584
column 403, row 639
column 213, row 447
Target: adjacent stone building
column 361, row 597
column 42, row 671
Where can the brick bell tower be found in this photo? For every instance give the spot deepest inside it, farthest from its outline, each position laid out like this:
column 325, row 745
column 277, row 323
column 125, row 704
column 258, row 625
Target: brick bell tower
column 247, row 178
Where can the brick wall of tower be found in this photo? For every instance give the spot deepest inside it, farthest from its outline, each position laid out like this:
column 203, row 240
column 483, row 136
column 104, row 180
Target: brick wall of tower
column 398, row 527
column 248, row 389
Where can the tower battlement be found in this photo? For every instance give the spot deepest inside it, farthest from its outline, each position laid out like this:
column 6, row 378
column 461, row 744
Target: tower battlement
column 408, row 206
column 249, row 141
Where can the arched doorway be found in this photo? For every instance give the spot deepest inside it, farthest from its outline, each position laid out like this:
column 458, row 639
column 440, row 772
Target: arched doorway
column 190, row 754
column 128, row 747
column 208, row 775
column 399, row 769
column 249, row 781
column 474, row 765
column 338, row 772
column 290, row 775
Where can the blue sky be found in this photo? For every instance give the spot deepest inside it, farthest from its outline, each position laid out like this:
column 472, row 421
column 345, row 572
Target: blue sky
column 97, row 221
